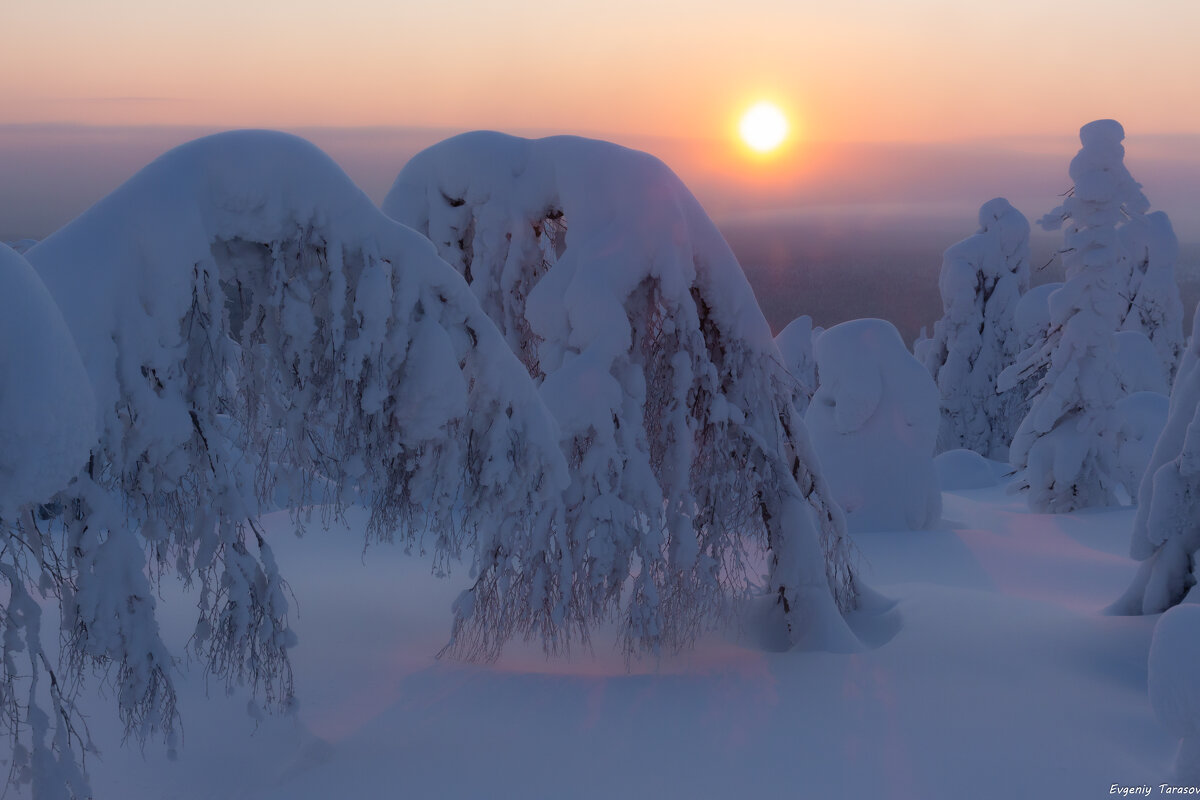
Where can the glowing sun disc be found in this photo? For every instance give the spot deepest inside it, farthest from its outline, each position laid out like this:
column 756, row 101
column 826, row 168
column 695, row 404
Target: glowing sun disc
column 763, row 127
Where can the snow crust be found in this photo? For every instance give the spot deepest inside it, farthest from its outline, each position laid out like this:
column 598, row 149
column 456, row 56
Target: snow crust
column 46, row 403
column 874, row 425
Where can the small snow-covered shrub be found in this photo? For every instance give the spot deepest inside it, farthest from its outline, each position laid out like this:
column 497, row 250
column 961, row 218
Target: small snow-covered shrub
column 795, row 343
column 874, row 423
column 627, row 307
column 981, row 283
column 1031, row 318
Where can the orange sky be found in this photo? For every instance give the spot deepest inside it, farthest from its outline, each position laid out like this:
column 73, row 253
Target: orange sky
column 943, row 102
column 853, row 70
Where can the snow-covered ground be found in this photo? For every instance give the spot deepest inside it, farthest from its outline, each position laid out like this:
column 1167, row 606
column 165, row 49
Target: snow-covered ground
column 994, row 675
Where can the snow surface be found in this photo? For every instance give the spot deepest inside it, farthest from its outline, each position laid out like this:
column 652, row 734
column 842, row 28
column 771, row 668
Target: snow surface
column 46, row 404
column 994, row 676
column 874, row 424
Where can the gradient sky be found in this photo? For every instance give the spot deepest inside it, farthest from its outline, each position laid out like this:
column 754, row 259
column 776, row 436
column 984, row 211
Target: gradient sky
column 852, row 70
column 946, row 102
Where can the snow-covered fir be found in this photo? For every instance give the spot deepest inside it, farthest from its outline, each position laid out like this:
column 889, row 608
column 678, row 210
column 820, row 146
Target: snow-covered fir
column 1065, row 448
column 1166, row 531
column 982, row 280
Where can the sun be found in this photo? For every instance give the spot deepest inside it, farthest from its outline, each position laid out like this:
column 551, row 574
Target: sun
column 763, row 127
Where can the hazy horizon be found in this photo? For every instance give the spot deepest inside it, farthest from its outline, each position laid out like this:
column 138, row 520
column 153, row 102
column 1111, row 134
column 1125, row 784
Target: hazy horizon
column 838, row 238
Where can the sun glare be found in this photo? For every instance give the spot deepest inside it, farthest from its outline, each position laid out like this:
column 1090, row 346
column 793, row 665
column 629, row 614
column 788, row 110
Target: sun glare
column 763, row 127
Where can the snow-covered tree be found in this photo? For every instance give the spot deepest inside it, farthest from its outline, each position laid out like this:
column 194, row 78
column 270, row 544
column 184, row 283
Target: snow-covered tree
column 1174, row 688
column 874, row 424
column 1153, row 305
column 255, row 329
column 1166, row 530
column 795, row 343
column 983, row 278
column 630, row 311
column 1064, row 448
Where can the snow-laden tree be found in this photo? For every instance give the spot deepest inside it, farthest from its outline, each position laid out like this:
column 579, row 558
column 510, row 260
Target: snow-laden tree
column 1064, row 448
column 1166, row 530
column 1153, row 302
column 47, row 427
column 256, row 331
column 874, row 426
column 1174, row 687
column 795, row 343
column 982, row 280
column 630, row 311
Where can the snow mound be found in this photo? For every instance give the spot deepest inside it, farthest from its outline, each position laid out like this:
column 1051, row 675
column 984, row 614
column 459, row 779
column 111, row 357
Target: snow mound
column 46, row 403
column 1174, row 684
column 965, row 469
column 874, row 423
column 626, row 305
